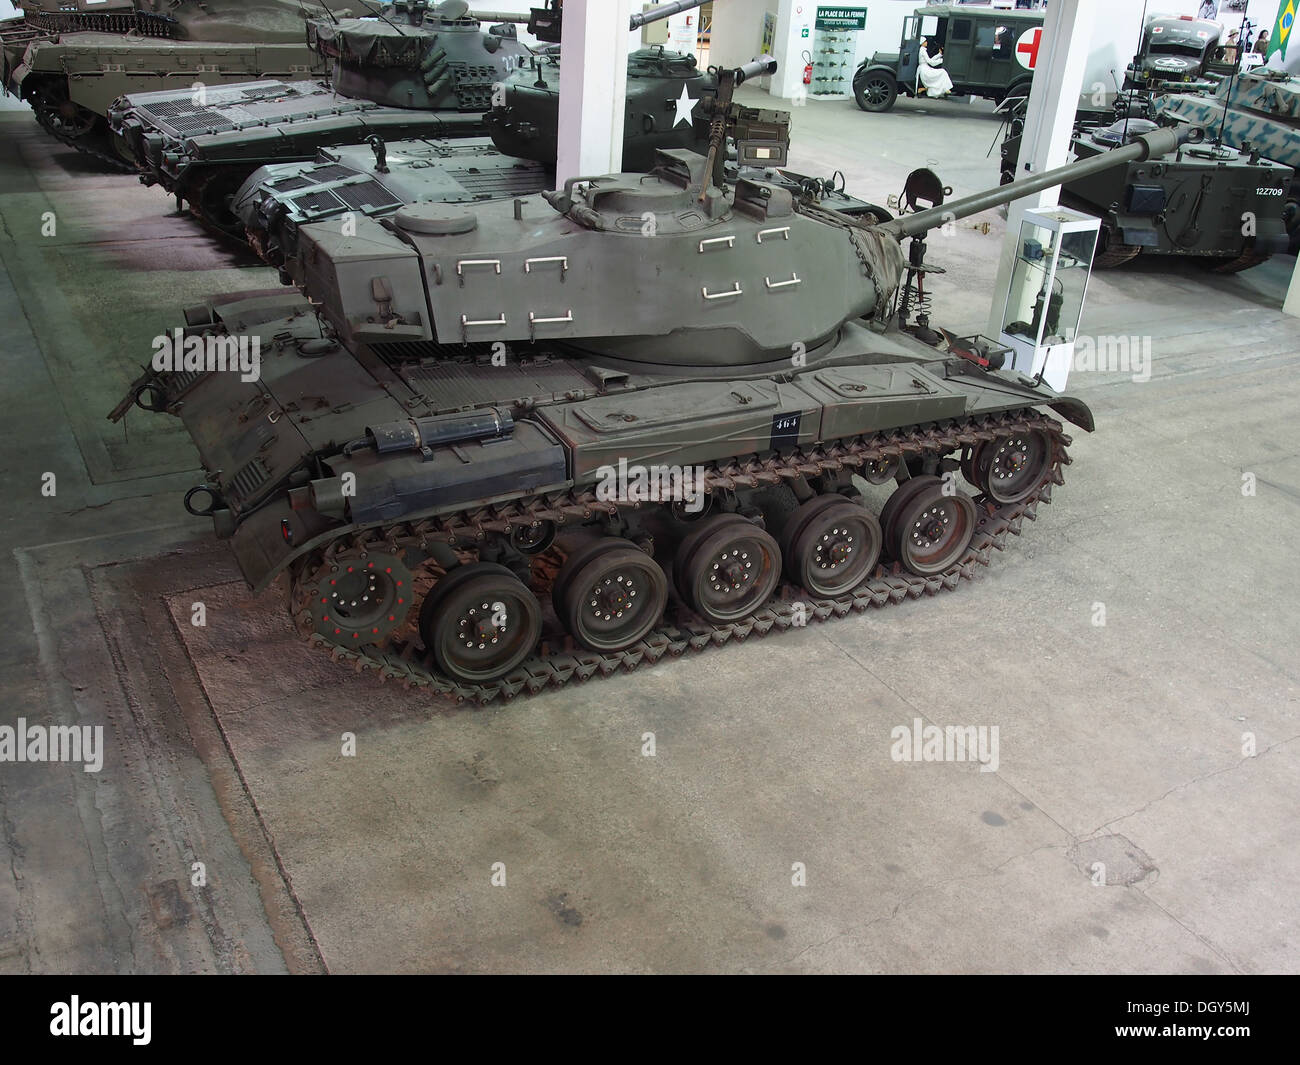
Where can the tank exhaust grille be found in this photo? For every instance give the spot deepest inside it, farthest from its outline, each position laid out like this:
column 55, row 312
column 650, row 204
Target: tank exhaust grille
column 246, row 482
column 366, row 194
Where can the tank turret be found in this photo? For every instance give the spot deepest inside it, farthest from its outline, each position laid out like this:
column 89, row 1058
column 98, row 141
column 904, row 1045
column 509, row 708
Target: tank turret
column 748, row 275
column 496, row 448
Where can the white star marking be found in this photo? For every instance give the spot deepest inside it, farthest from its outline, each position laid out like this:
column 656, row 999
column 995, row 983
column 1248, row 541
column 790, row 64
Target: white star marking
column 684, row 105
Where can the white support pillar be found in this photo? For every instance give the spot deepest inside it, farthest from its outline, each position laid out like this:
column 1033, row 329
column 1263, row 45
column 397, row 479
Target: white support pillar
column 1292, row 304
column 794, row 37
column 593, row 88
column 1053, row 101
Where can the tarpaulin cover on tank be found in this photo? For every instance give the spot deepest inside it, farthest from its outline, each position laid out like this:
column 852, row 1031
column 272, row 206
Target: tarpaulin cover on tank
column 369, row 43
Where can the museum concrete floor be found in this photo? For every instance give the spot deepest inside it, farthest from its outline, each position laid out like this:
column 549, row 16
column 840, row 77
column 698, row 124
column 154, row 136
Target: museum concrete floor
column 1125, row 743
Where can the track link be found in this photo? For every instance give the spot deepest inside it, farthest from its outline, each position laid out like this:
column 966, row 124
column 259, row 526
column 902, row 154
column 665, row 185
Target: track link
column 558, row 661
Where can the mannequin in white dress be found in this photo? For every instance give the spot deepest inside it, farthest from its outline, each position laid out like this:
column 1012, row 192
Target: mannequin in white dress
column 933, row 77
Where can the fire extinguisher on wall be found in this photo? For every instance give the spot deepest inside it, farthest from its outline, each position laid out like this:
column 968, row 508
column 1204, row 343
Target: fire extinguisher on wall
column 807, row 69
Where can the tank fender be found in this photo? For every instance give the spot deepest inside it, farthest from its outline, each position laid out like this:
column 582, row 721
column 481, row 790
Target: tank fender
column 1076, row 412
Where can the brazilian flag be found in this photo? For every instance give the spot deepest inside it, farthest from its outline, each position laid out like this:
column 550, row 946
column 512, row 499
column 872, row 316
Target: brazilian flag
column 1277, row 40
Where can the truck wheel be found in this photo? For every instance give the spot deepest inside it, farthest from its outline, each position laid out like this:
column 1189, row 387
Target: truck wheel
column 1015, row 92
column 877, row 91
column 1291, row 219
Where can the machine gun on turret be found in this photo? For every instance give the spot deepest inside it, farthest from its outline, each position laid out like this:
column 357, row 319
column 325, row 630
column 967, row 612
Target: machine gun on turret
column 546, row 23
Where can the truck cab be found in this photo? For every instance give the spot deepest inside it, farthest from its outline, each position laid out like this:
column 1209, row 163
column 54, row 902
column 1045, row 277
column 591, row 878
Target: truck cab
column 1175, row 50
column 987, row 52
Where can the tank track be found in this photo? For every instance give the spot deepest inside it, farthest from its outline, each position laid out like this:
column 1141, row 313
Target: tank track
column 95, row 144
column 1244, row 261
column 404, row 660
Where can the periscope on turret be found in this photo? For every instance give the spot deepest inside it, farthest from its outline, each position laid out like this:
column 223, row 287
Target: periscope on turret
column 439, row 459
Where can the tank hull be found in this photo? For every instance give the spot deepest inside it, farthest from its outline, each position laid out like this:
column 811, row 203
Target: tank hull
column 1215, row 205
column 1262, row 114
column 71, row 65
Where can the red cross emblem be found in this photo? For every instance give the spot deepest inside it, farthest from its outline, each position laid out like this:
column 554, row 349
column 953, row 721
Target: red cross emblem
column 1027, row 47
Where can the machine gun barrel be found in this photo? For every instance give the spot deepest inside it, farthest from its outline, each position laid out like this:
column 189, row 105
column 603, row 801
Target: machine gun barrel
column 755, row 68
column 663, row 11
column 1147, row 146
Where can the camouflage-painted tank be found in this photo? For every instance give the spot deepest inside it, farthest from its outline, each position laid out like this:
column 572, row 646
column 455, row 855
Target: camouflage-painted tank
column 1258, row 111
column 71, row 58
column 430, row 77
column 499, row 448
column 1209, row 201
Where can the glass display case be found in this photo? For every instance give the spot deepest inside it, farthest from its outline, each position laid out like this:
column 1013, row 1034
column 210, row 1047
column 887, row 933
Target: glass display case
column 1040, row 319
column 837, row 49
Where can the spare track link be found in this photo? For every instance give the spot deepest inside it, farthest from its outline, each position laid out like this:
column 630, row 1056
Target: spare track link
column 405, row 661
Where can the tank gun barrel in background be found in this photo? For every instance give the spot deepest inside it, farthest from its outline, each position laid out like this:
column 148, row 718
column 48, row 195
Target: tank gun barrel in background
column 661, row 12
column 499, row 16
column 1147, row 146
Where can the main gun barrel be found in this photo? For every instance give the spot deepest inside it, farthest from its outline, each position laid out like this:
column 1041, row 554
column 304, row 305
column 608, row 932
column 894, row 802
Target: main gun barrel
column 663, row 11
column 1146, row 146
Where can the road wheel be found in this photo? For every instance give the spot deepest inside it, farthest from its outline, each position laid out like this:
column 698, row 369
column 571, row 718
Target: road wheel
column 836, row 550
column 933, row 530
column 730, row 571
column 613, row 598
column 480, row 622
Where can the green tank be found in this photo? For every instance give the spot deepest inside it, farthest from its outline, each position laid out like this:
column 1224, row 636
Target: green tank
column 498, row 448
column 526, row 122
column 431, row 81
column 1211, row 202
column 431, row 75
column 70, row 59
column 1254, row 112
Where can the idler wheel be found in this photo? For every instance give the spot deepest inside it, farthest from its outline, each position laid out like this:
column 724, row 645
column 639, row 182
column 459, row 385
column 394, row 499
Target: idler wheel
column 612, row 598
column 480, row 622
column 360, row 597
column 835, row 551
column 933, row 530
column 1011, row 468
column 728, row 569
